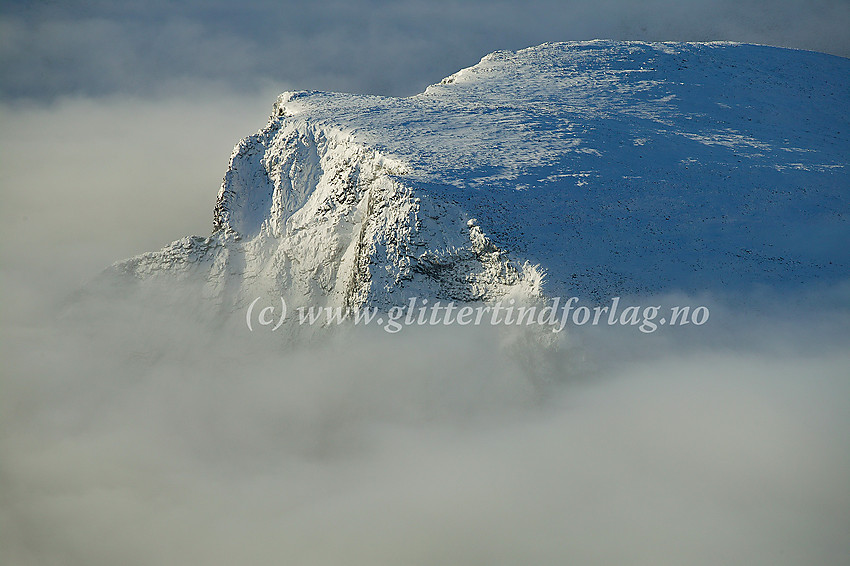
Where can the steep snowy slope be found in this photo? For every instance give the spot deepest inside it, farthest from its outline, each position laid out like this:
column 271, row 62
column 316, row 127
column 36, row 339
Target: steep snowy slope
column 586, row 168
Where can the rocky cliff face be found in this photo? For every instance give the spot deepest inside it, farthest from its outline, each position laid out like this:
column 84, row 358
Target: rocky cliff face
column 586, row 168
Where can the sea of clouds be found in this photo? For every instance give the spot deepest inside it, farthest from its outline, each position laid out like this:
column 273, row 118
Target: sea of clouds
column 138, row 435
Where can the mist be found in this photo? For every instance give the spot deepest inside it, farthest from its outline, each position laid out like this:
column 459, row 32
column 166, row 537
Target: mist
column 139, row 433
column 87, row 182
column 134, row 433
column 146, row 435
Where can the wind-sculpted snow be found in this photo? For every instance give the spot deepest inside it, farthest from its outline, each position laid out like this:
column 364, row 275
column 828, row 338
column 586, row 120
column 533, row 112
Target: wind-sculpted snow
column 587, row 168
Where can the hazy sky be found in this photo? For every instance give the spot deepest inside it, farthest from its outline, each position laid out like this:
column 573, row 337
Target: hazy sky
column 50, row 49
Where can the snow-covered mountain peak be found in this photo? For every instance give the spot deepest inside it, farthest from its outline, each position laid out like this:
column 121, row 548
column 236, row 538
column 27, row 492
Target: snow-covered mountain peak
column 614, row 166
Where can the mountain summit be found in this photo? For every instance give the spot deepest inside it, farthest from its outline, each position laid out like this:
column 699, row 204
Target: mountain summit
column 581, row 168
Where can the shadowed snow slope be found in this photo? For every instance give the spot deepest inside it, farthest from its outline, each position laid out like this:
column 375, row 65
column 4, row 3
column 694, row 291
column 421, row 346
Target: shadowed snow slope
column 584, row 168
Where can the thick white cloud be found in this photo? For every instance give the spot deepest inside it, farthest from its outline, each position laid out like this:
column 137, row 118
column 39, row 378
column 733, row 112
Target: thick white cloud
column 131, row 435
column 88, row 182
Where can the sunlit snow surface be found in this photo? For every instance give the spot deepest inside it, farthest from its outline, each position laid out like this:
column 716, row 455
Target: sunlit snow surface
column 614, row 167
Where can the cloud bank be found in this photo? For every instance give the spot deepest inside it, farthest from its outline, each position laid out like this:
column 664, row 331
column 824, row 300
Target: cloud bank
column 137, row 435
column 133, row 434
